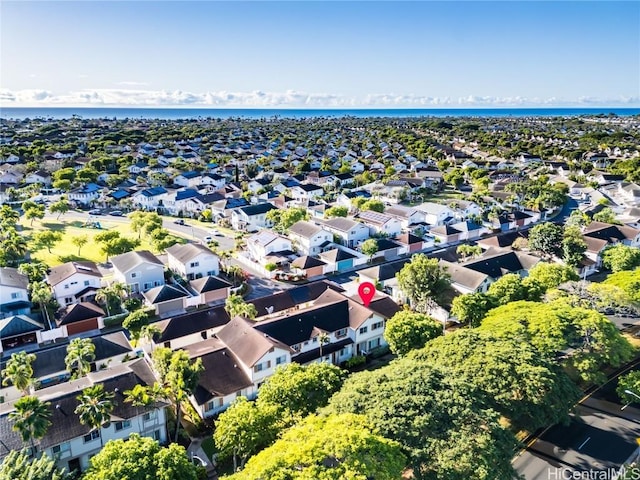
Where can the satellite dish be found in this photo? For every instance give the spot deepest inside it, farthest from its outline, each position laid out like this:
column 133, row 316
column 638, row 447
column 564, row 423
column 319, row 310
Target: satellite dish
column 269, row 309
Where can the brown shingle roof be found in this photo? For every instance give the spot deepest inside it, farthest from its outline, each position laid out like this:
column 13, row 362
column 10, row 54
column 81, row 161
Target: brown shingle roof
column 64, row 271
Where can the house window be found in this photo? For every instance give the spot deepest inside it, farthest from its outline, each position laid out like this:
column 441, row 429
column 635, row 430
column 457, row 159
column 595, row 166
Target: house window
column 156, row 435
column 296, row 347
column 194, row 264
column 87, row 283
column 91, row 436
column 377, row 325
column 123, row 425
column 363, row 330
column 66, row 285
column 149, row 416
column 212, row 273
column 281, row 360
column 134, row 275
column 15, row 295
column 213, row 404
column 341, row 333
column 62, row 450
column 374, row 343
column 74, row 283
column 315, row 339
column 262, row 366
column 148, row 285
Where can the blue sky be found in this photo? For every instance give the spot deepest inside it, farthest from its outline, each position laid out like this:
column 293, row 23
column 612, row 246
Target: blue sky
column 320, row 54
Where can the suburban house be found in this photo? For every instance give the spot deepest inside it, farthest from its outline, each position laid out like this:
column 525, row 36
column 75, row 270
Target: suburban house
column 435, row 213
column 192, row 260
column 347, row 232
column 80, row 317
column 178, row 331
column 613, row 233
column 14, row 293
column 308, row 238
column 74, row 282
column 150, row 198
column 252, row 218
column 165, row 299
column 466, row 280
column 305, row 192
column 41, row 177
column 17, row 331
column 139, row 270
column 210, row 289
column 70, row 442
column 188, row 179
column 406, row 215
column 445, row 234
column 309, row 266
column 84, row 195
column 380, row 224
column 262, row 244
column 496, row 263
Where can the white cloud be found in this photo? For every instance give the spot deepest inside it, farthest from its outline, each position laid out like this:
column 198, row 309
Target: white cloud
column 132, row 84
column 290, row 98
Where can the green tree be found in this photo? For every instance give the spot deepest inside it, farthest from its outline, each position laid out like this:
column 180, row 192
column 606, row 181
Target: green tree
column 34, row 212
column 555, row 327
column 80, row 354
column 606, row 215
column 111, row 243
column 336, row 211
column 573, row 246
column 8, row 217
column 516, row 380
column 369, row 247
column 283, row 219
column 422, row 279
column 333, row 447
column 628, row 281
column 469, row 251
column 244, row 429
column 621, row 257
column 41, row 294
column 442, row 423
column 19, row 372
column 46, row 239
column 79, row 241
column 508, row 288
column 550, row 275
column 373, row 205
column 18, row 465
column 35, row 270
column 141, row 458
column 135, row 322
column 95, row 407
column 178, row 377
column 629, row 382
column 60, row 207
column 454, row 177
column 14, row 247
column 407, row 330
column 472, row 308
column 298, row 390
column 236, row 306
column 111, row 297
column 546, row 238
column 31, row 419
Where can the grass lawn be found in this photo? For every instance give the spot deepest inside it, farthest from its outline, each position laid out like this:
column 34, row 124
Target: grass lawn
column 209, row 447
column 65, row 251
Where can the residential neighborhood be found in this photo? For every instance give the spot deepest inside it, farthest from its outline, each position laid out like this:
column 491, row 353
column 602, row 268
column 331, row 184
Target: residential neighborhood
column 239, row 248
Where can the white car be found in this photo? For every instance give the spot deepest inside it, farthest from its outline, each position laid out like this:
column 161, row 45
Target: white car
column 208, row 239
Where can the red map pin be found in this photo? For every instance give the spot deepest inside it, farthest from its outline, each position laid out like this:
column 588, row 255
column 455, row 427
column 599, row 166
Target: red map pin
column 366, row 290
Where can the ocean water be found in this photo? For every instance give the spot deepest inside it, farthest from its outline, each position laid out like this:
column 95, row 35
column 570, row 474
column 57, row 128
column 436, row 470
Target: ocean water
column 224, row 113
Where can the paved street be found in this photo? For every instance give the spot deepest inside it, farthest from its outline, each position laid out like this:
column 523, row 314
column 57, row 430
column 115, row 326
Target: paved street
column 600, row 436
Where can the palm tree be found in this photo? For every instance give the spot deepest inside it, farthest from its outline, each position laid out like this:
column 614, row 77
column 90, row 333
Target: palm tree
column 323, row 338
column 19, row 371
column 106, row 295
column 80, row 241
column 31, row 419
column 41, row 295
column 148, row 332
column 35, row 270
column 236, row 306
column 80, row 354
column 8, row 216
column 14, row 245
column 95, row 407
column 144, row 396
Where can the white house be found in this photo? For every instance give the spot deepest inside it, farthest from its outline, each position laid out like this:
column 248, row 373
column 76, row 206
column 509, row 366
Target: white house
column 305, row 192
column 140, row 270
column 70, row 442
column 188, row 179
column 150, row 198
column 308, row 238
column 39, row 176
column 14, row 293
column 346, row 231
column 406, row 215
column 435, row 213
column 380, row 223
column 85, row 195
column 266, row 242
column 74, row 282
column 192, row 260
column 252, row 218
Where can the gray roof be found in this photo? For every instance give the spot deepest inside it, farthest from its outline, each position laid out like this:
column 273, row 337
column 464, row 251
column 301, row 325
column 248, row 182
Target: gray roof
column 64, row 271
column 342, row 224
column 129, row 260
column 188, row 251
column 65, row 424
column 11, row 277
column 18, row 325
column 304, row 229
column 163, row 293
column 208, row 284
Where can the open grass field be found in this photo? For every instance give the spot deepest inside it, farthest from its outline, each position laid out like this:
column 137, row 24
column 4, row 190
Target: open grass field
column 65, row 251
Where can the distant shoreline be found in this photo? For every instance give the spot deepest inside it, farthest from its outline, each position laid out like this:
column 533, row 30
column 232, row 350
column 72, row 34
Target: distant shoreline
column 175, row 113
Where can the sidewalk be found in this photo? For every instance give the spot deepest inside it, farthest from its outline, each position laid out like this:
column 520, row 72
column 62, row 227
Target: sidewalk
column 195, row 450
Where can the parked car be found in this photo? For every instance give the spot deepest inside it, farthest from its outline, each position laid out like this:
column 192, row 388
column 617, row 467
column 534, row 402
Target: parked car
column 116, row 213
column 179, row 222
column 95, row 211
column 208, row 239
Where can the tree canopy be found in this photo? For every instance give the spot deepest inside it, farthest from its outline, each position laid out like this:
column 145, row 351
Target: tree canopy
column 327, row 448
column 621, row 257
column 17, row 465
column 140, row 458
column 444, row 426
column 407, row 330
column 546, row 238
column 422, row 279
